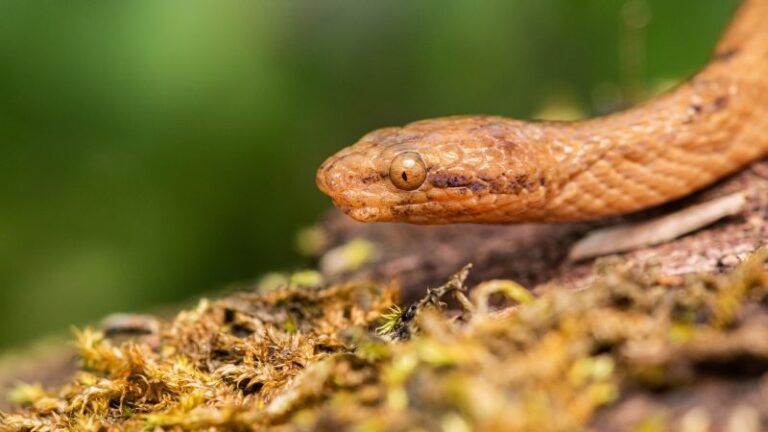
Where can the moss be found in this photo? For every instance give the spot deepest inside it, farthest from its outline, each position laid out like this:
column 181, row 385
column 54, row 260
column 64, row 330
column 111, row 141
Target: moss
column 303, row 358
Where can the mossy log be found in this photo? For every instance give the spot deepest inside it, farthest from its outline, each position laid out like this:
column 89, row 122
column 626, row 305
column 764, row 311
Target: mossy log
column 671, row 336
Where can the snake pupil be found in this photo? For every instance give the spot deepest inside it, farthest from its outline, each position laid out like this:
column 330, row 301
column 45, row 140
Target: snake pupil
column 407, row 171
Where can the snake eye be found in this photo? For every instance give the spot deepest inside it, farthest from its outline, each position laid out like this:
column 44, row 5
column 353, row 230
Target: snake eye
column 407, row 171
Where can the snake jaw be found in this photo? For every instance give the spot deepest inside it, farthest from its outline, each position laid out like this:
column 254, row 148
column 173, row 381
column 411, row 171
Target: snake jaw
column 368, row 214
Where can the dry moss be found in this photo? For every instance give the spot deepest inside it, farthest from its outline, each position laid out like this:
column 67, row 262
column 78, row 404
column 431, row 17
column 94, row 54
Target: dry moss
column 312, row 359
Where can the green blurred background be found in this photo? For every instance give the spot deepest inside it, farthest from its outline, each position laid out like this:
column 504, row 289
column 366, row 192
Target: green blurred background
column 152, row 150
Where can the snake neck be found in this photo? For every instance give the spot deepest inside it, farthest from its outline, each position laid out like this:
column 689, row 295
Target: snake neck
column 674, row 144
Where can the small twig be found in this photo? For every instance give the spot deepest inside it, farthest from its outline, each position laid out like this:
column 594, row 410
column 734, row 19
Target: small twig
column 405, row 326
column 663, row 229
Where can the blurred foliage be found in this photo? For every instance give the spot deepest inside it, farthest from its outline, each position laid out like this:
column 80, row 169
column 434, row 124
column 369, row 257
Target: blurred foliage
column 152, row 150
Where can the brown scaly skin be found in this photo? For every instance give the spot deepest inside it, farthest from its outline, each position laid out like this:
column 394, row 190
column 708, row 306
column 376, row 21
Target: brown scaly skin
column 483, row 169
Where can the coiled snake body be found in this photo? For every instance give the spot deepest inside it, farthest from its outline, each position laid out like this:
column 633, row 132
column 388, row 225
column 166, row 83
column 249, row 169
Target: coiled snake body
column 484, row 169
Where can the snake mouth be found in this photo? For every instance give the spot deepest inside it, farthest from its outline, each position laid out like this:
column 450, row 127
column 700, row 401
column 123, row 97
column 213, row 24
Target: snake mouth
column 355, row 203
column 368, row 214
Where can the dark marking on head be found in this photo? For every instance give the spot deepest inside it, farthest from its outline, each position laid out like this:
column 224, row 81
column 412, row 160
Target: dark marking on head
column 720, row 103
column 499, row 186
column 726, row 54
column 502, row 184
column 499, row 132
column 448, row 180
column 521, row 182
column 386, row 137
column 696, row 108
column 373, row 178
column 477, row 186
column 493, row 128
column 508, row 146
column 402, row 210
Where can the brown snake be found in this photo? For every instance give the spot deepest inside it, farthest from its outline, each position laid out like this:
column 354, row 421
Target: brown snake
column 484, row 169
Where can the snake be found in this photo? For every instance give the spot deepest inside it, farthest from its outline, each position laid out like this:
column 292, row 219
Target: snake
column 491, row 169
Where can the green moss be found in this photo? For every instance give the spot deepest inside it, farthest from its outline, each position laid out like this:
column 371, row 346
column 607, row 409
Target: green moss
column 302, row 358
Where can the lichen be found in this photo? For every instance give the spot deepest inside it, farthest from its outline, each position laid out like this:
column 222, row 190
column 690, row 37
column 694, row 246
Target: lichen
column 347, row 357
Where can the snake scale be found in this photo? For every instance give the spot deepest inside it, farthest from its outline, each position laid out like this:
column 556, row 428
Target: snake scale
column 487, row 169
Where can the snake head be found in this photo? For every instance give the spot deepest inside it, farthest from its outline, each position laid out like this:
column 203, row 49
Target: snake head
column 454, row 169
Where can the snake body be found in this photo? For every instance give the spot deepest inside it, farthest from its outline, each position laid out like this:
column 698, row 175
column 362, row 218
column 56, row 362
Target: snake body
column 487, row 169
